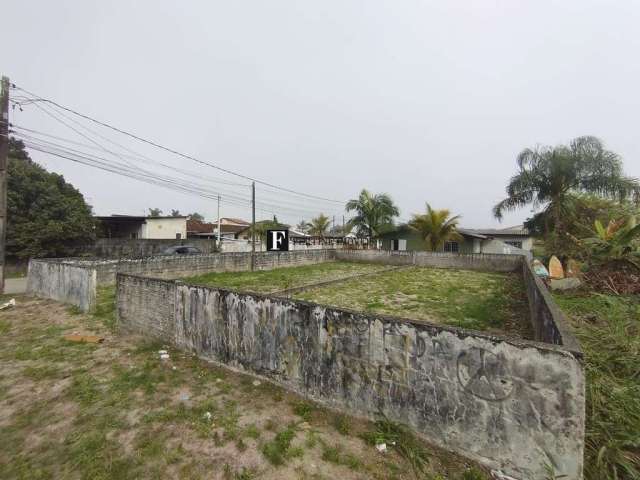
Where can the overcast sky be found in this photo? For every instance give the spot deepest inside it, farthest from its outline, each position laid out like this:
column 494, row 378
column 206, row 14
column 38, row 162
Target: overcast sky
column 429, row 101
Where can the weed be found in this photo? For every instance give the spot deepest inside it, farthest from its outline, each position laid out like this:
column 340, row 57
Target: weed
column 334, row 455
column 303, row 409
column 84, row 388
column 278, row 450
column 342, row 424
column 473, row 474
column 402, row 440
column 608, row 328
column 252, row 431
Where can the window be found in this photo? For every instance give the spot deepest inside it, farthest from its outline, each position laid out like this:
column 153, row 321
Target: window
column 453, row 247
column 178, row 236
column 514, row 243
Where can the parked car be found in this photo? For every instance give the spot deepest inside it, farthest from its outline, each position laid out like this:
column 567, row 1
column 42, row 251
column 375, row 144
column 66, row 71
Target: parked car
column 181, row 250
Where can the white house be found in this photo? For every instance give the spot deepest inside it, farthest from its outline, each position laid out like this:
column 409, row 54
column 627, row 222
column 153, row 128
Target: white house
column 130, row 226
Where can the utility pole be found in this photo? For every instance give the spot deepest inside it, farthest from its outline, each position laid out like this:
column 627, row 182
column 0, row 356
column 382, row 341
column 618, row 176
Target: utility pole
column 4, row 153
column 253, row 226
column 219, row 231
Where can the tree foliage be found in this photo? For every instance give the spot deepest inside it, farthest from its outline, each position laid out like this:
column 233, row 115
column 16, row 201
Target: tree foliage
column 436, row 227
column 196, row 217
column 46, row 216
column 318, row 225
column 374, row 213
column 175, row 213
column 619, row 241
column 155, row 212
column 550, row 176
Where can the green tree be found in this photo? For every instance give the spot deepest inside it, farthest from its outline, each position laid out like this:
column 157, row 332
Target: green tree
column 319, row 225
column 550, row 175
column 155, row 212
column 196, row 217
column 436, row 227
column 374, row 213
column 619, row 242
column 46, row 216
column 175, row 213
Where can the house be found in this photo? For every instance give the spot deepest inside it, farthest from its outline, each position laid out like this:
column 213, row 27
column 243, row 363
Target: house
column 512, row 240
column 131, row 226
column 198, row 229
column 230, row 227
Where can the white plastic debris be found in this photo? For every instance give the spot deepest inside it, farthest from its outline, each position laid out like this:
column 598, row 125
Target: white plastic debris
column 382, row 447
column 11, row 303
column 162, row 352
column 164, row 356
column 256, row 383
column 174, row 367
column 207, row 415
column 218, row 380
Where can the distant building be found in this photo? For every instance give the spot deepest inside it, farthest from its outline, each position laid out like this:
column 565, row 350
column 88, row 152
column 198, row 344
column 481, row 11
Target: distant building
column 131, row 226
column 513, row 240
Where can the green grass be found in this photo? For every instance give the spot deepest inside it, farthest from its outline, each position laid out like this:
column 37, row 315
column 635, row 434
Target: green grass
column 608, row 328
column 105, row 308
column 278, row 450
column 469, row 299
column 268, row 281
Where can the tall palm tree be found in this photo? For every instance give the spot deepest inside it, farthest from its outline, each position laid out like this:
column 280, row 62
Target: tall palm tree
column 374, row 213
column 549, row 175
column 436, row 227
column 319, row 225
column 302, row 226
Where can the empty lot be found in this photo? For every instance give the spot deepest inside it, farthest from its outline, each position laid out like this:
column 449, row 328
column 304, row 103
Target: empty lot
column 115, row 410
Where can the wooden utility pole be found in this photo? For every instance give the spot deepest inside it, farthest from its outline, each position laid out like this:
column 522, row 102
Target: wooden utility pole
column 219, row 231
column 4, row 154
column 253, row 226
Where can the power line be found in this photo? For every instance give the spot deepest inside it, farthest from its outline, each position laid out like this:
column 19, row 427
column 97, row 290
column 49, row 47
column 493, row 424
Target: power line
column 175, row 152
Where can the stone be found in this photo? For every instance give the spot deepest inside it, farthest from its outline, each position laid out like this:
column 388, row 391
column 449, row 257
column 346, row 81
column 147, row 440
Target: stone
column 565, row 283
column 539, row 269
column 555, row 268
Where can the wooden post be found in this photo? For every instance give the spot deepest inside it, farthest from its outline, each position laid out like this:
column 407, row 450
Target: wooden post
column 4, row 154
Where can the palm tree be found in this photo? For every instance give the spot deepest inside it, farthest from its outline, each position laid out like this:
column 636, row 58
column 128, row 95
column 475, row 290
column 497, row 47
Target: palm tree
column 374, row 213
column 319, row 225
column 550, row 175
column 436, row 227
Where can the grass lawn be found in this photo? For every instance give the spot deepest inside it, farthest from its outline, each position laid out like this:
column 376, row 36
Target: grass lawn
column 116, row 411
column 608, row 328
column 269, row 281
column 469, row 299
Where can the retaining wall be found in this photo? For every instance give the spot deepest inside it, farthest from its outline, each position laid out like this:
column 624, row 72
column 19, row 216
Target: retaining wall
column 141, row 247
column 512, row 405
column 479, row 261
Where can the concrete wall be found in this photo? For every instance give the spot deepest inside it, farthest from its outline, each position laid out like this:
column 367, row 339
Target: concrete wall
column 137, row 248
column 512, row 405
column 549, row 323
column 164, row 227
column 497, row 263
column 65, row 282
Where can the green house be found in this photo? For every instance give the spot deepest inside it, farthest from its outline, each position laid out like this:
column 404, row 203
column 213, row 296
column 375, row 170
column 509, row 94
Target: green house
column 512, row 240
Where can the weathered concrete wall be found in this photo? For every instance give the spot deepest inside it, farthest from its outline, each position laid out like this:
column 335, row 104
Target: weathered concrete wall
column 549, row 323
column 64, row 279
column 476, row 261
column 137, row 248
column 66, row 282
column 512, row 405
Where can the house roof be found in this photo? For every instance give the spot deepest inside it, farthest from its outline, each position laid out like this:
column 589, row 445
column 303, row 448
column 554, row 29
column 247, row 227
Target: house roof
column 195, row 226
column 232, row 221
column 134, row 218
column 517, row 231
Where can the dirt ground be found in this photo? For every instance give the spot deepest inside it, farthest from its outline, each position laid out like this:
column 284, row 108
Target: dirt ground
column 115, row 410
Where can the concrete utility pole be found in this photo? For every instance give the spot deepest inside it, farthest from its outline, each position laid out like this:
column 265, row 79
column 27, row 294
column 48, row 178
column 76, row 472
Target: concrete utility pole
column 4, row 153
column 219, row 231
column 253, row 226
